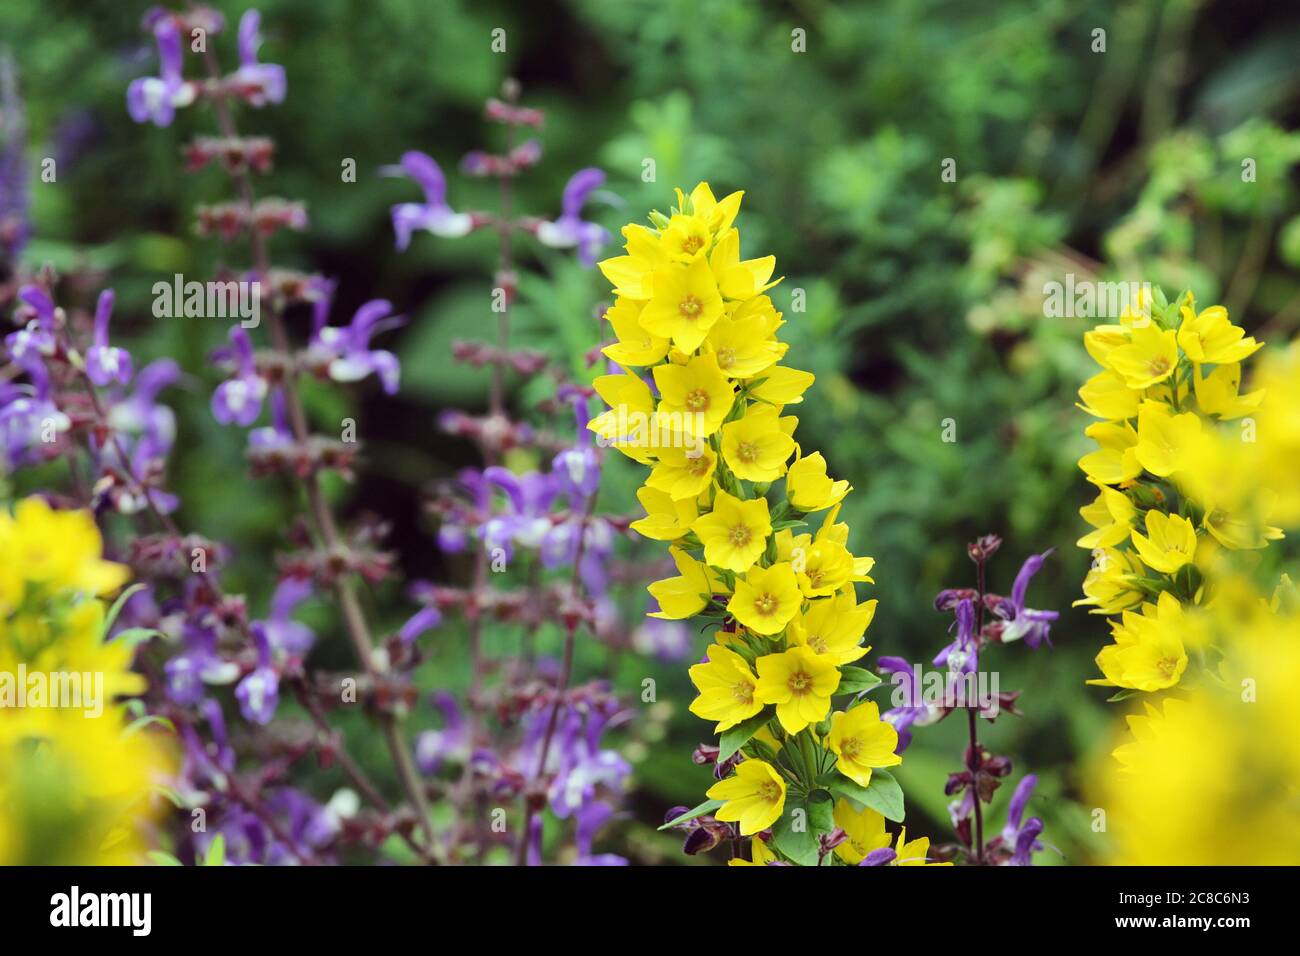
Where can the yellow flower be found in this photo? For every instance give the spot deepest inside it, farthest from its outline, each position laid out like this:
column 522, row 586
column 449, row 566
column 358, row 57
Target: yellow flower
column 635, row 346
column 1216, row 393
column 1102, row 340
column 766, row 599
column 632, row 274
column 696, row 395
column 1171, row 542
column 862, row 741
column 1116, row 460
column 718, row 214
column 686, row 595
column 55, row 551
column 1106, row 395
column 666, row 519
column 683, row 472
column 735, row 532
column 686, row 238
column 825, row 568
column 800, row 683
column 1111, row 514
column 1150, row 356
column 726, row 686
column 743, row 342
column 809, row 488
column 630, row 420
column 754, row 797
column 737, row 279
column 1210, row 337
column 1165, row 440
column 757, row 446
column 914, row 853
column 834, row 626
column 685, row 304
column 1148, row 652
column 759, row 850
column 864, row 831
column 1110, row 586
column 780, row 385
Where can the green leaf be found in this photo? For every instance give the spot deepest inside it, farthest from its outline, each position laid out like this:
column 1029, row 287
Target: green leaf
column 884, row 795
column 708, row 806
column 140, row 723
column 216, row 852
column 803, row 818
column 116, row 609
column 1124, row 694
column 854, row 680
column 135, row 636
column 163, row 859
column 735, row 738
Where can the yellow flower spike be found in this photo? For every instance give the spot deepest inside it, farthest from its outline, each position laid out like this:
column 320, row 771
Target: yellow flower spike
column 834, row 627
column 629, row 423
column 766, row 599
column 864, row 831
column 800, row 683
column 780, row 385
column 1170, row 542
column 753, row 796
column 635, row 346
column 685, row 595
column 685, row 304
column 1150, row 356
column 739, row 279
column 666, row 519
column 862, row 742
column 58, row 550
column 756, row 447
column 683, row 472
column 1106, row 395
column 1210, row 337
column 1148, row 653
column 1109, row 586
column 1116, row 460
column 719, row 214
column 808, row 488
column 1165, row 439
column 696, row 395
column 726, row 686
column 632, row 275
column 1216, row 393
column 735, row 532
column 1111, row 514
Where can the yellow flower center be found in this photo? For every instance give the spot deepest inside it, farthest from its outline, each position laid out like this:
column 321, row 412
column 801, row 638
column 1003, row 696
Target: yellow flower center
column 726, row 357
column 747, row 451
column 1167, row 666
column 1158, row 366
column 815, row 577
column 743, row 692
column 697, row 467
column 817, row 643
column 799, row 683
column 769, row 791
column 692, row 244
column 740, row 535
column 850, row 747
column 698, row 400
column 690, row 307
column 766, row 604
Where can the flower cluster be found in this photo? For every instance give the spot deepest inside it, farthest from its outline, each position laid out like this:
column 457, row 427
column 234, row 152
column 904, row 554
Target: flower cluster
column 77, row 772
column 700, row 395
column 1192, row 472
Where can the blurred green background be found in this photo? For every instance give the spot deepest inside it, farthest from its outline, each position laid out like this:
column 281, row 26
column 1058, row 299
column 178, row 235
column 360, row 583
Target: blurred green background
column 924, row 297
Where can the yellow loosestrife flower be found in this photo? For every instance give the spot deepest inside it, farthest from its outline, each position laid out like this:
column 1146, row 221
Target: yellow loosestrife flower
column 757, row 447
column 864, row 831
column 766, row 599
column 862, row 742
column 726, row 686
column 800, row 682
column 735, row 532
column 1170, row 542
column 754, row 797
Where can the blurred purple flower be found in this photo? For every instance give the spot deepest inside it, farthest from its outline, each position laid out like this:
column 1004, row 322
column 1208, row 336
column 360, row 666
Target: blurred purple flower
column 238, row 400
column 106, row 364
column 570, row 229
column 1026, row 622
column 433, row 214
column 154, row 99
column 353, row 359
column 258, row 83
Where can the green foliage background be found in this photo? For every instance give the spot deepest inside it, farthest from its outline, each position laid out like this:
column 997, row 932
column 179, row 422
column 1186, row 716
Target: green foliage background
column 924, row 297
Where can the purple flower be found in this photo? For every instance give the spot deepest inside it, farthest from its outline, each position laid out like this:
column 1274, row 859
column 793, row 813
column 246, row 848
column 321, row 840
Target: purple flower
column 104, row 363
column 258, row 693
column 913, row 710
column 425, row 619
column 1034, row 626
column 590, row 819
column 433, row 214
column 961, row 656
column 282, row 632
column 571, row 229
column 28, row 417
column 140, row 413
column 882, row 857
column 278, row 434
column 258, row 83
column 37, row 337
column 350, row 345
column 433, row 747
column 154, row 99
column 238, row 400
